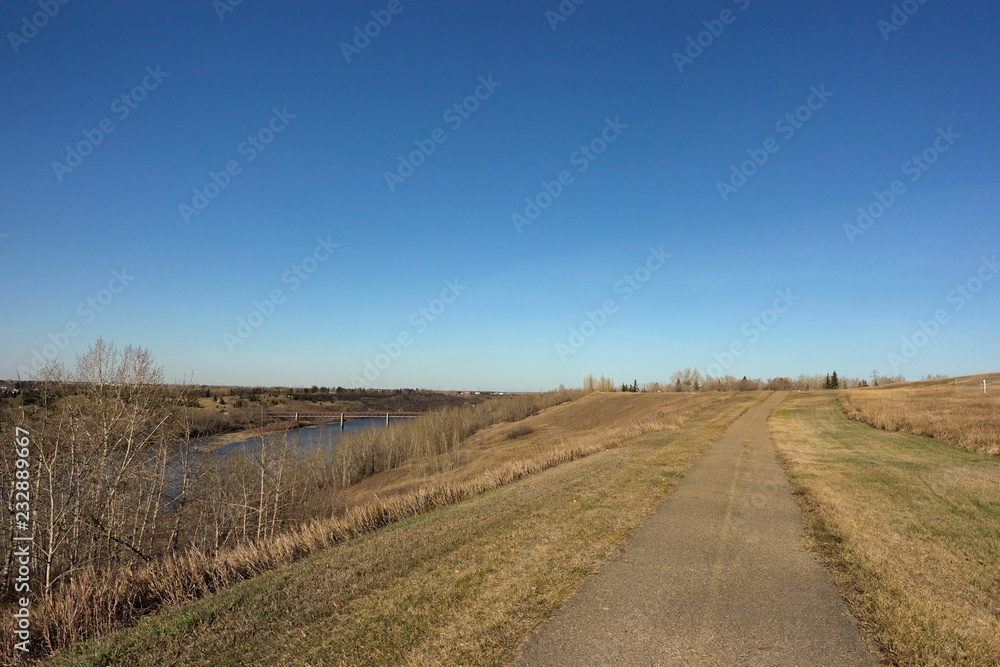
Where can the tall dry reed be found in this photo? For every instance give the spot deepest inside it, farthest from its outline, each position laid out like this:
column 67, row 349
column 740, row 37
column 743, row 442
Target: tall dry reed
column 361, row 454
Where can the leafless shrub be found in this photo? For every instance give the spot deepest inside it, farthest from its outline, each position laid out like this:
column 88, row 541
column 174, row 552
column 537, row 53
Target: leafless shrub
column 519, row 432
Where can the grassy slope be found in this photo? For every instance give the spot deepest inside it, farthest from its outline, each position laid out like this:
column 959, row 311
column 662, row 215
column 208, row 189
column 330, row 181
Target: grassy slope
column 952, row 409
column 461, row 585
column 910, row 525
column 595, row 419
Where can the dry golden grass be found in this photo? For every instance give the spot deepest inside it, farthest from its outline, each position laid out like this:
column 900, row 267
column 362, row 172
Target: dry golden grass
column 462, row 585
column 964, row 416
column 585, row 423
column 909, row 525
column 361, row 454
column 97, row 604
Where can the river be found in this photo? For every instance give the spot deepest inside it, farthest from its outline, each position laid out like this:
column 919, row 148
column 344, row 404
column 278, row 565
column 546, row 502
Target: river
column 304, row 439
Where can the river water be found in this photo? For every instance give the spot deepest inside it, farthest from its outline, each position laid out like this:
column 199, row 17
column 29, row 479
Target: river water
column 299, row 439
column 310, row 437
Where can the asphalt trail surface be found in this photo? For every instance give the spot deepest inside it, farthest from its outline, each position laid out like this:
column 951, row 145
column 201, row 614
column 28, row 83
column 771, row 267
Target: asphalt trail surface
column 719, row 575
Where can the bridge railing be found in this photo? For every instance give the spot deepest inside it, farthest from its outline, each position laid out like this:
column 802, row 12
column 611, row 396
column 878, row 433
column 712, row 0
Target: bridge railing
column 343, row 416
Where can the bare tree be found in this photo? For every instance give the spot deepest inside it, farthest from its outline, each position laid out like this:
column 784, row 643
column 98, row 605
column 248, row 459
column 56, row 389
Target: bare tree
column 687, row 380
column 100, row 461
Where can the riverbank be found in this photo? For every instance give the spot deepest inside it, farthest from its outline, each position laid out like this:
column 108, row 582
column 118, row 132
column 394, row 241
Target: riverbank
column 461, row 585
column 223, row 423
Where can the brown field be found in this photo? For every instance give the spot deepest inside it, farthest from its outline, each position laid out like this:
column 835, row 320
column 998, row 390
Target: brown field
column 965, row 417
column 910, row 527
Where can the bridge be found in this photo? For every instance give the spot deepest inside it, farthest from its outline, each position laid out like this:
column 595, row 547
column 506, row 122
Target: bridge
column 343, row 416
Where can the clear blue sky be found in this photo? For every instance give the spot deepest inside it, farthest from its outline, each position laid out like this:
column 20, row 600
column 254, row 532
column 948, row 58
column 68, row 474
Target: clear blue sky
column 518, row 290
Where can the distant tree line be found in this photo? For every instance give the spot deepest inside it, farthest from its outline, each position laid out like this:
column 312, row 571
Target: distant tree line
column 688, row 379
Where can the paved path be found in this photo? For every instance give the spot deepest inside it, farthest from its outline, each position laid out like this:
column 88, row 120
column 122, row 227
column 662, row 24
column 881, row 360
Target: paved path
column 717, row 576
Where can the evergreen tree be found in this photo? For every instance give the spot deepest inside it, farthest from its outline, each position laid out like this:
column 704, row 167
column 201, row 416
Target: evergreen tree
column 834, row 382
column 826, row 383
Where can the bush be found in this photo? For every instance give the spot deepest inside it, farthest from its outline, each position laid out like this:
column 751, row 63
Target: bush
column 519, row 431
